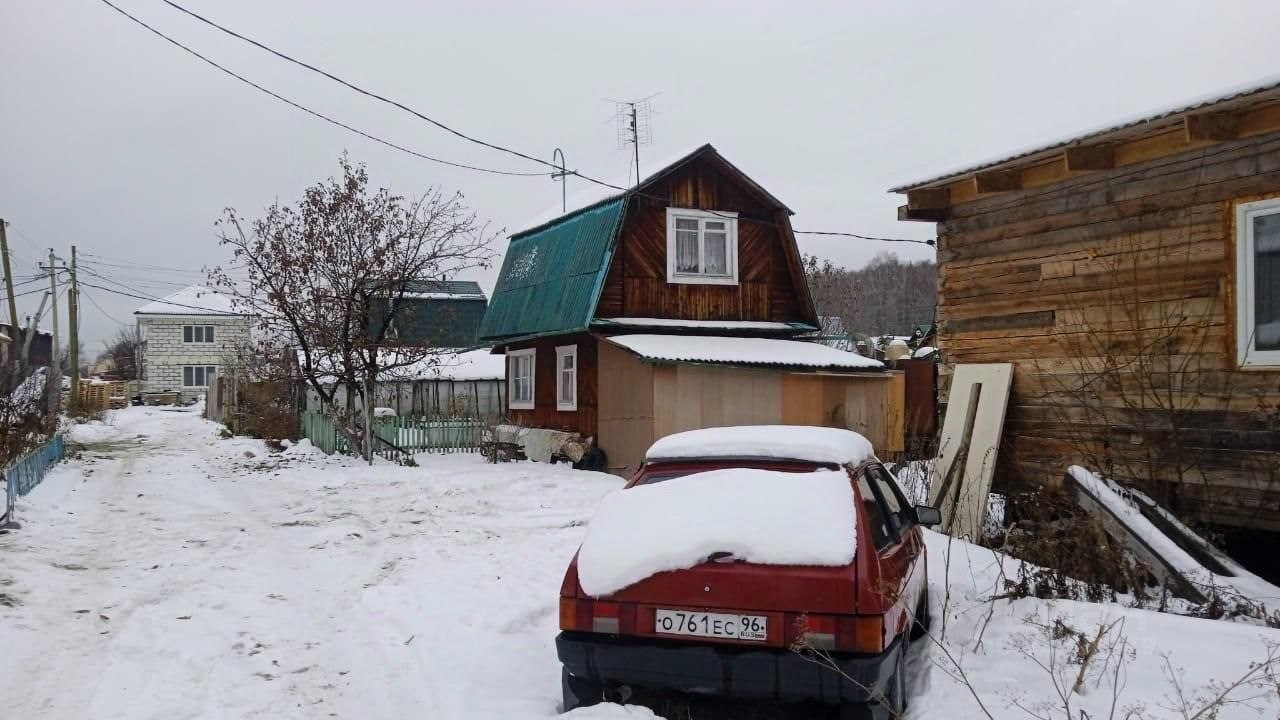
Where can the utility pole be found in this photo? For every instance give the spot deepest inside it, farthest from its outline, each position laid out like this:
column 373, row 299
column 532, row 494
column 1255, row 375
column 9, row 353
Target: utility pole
column 55, row 363
column 73, row 318
column 8, row 287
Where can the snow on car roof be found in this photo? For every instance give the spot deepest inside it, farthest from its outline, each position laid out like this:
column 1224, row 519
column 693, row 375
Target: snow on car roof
column 760, row 516
column 743, row 351
column 776, row 442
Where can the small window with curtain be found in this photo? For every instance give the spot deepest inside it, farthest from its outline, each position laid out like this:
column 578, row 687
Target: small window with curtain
column 520, row 369
column 567, row 377
column 1258, row 283
column 702, row 246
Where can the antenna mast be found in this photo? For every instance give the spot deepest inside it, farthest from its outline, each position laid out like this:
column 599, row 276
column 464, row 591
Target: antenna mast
column 562, row 176
column 635, row 126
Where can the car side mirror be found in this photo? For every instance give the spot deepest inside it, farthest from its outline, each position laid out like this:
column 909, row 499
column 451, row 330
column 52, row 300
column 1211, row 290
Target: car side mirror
column 926, row 515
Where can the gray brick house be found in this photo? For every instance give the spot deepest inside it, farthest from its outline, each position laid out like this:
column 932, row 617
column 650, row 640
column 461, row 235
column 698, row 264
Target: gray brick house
column 186, row 338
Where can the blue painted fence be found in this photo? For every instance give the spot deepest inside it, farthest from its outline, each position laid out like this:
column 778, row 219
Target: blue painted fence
column 27, row 471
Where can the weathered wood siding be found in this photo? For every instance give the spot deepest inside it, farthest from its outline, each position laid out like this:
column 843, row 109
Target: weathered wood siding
column 626, row 408
column 770, row 280
column 544, row 414
column 1112, row 293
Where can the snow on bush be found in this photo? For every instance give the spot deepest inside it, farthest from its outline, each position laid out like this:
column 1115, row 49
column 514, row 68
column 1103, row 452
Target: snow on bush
column 760, row 516
column 792, row 442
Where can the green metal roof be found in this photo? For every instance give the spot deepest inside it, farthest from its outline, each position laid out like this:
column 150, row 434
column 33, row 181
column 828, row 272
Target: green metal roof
column 552, row 275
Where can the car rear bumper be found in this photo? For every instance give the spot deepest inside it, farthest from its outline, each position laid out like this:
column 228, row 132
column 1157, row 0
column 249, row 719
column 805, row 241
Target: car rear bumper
column 764, row 674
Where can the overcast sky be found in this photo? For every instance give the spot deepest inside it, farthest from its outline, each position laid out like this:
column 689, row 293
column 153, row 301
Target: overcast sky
column 119, row 143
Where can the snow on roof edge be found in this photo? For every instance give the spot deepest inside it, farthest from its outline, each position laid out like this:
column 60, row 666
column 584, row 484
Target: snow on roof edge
column 728, row 350
column 1233, row 92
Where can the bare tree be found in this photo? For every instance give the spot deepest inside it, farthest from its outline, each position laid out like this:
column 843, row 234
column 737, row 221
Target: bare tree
column 123, row 351
column 886, row 297
column 324, row 276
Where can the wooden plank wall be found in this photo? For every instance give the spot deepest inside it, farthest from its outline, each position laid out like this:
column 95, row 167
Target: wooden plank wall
column 768, row 263
column 545, row 414
column 686, row 397
column 1074, row 282
column 873, row 405
column 626, row 408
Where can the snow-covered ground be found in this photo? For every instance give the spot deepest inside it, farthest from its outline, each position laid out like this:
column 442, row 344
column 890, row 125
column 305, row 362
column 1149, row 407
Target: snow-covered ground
column 168, row 574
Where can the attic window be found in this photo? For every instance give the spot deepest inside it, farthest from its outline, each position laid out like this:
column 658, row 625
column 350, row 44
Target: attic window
column 702, row 247
column 1258, row 283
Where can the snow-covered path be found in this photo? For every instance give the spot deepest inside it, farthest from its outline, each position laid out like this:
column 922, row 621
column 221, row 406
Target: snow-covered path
column 168, row 574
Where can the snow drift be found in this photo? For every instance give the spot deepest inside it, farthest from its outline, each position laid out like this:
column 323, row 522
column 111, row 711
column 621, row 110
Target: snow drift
column 761, row 516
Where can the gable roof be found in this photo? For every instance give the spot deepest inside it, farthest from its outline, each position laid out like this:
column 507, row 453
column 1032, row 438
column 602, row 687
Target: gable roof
column 193, row 300
column 551, row 277
column 1143, row 124
column 553, row 272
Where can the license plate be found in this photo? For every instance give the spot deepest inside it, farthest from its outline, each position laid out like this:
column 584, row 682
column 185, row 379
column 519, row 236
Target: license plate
column 725, row 626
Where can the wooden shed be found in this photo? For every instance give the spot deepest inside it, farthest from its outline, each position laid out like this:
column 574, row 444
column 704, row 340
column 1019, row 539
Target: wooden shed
column 698, row 258
column 1132, row 276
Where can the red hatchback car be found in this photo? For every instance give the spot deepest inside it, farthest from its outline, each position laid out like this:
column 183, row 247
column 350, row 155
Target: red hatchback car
column 731, row 628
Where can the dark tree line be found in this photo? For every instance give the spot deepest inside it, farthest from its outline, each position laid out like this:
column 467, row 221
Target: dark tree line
column 888, row 296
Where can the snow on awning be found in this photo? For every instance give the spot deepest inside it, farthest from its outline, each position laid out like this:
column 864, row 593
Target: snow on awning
column 743, row 351
column 645, row 322
column 760, row 516
column 775, row 442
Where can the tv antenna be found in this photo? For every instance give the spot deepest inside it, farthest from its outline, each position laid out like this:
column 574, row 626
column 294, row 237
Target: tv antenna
column 635, row 125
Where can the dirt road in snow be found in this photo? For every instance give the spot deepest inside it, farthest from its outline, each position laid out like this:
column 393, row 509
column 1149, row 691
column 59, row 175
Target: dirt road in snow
column 168, row 573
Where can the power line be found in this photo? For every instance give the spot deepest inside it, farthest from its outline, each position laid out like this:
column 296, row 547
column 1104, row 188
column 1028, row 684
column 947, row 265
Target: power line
column 357, row 88
column 315, row 113
column 421, row 116
column 152, row 299
column 111, row 317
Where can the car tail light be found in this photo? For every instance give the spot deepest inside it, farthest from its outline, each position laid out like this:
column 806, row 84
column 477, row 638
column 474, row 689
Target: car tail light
column 575, row 614
column 584, row 615
column 604, row 618
column 861, row 634
column 836, row 633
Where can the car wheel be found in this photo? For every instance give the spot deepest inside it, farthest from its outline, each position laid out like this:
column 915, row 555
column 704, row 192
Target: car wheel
column 579, row 692
column 920, row 624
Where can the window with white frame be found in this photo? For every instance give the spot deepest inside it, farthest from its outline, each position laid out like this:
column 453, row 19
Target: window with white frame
column 702, row 247
column 198, row 376
column 567, row 377
column 1258, row 283
column 197, row 333
column 520, row 365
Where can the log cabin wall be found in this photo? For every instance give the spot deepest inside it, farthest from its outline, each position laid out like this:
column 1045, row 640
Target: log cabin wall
column 1112, row 294
column 769, row 275
column 545, row 413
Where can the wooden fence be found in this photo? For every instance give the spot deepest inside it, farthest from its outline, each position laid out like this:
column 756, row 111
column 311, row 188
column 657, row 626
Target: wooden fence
column 399, row 436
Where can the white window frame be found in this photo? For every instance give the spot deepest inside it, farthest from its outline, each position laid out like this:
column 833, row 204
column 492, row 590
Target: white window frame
column 209, row 370
column 1246, row 354
column 562, row 352
column 730, row 219
column 205, row 332
column 512, row 356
